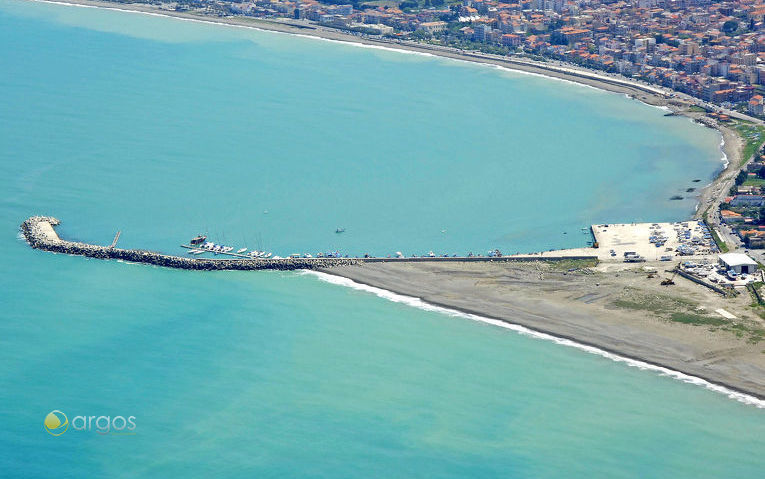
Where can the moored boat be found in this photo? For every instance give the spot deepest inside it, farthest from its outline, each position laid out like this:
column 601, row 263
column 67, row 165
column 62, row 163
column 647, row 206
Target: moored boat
column 199, row 239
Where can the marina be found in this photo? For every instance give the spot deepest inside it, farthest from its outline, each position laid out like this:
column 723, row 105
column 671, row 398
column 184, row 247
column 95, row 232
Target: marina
column 612, row 243
column 39, row 233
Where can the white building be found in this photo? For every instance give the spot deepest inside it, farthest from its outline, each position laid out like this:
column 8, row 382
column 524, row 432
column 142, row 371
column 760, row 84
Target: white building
column 738, row 262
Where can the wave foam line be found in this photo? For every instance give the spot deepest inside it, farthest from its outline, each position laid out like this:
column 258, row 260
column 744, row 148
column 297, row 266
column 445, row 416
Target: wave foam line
column 420, row 304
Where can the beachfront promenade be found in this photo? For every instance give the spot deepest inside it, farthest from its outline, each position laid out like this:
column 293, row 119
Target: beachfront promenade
column 39, row 232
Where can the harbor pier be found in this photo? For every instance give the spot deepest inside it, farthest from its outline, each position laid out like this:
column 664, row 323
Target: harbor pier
column 40, row 234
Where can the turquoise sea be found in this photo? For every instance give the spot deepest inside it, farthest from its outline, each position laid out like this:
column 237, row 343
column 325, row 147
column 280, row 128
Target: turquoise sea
column 165, row 128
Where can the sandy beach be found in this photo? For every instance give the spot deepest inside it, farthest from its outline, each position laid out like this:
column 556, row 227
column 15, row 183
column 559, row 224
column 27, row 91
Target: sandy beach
column 614, row 308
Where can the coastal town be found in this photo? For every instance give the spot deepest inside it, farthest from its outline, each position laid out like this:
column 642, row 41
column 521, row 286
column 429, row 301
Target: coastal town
column 708, row 50
column 426, row 238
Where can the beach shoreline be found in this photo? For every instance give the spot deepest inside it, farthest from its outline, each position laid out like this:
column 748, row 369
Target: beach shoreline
column 508, row 294
column 649, row 94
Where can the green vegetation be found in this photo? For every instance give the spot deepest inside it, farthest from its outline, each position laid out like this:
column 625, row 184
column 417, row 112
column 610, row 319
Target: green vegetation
column 569, row 264
column 730, row 27
column 379, row 3
column 720, row 243
column 678, row 310
column 697, row 109
column 753, row 135
column 697, row 319
column 409, row 5
column 753, row 181
column 754, row 290
column 657, row 304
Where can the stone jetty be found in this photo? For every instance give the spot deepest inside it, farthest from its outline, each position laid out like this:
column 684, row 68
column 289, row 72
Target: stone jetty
column 39, row 232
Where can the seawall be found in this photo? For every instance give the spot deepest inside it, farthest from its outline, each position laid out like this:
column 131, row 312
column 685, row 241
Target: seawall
column 39, row 232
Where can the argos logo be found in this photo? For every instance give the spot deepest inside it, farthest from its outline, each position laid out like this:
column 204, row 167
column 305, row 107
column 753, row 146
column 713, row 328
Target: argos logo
column 57, row 423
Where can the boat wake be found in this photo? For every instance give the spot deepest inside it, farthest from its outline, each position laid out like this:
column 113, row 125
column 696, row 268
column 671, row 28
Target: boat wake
column 420, row 304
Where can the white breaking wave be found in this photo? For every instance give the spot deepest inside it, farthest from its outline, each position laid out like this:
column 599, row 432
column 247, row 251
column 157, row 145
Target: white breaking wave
column 420, row 304
column 724, row 155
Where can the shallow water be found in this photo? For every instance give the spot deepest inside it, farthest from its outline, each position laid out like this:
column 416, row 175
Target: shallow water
column 164, row 128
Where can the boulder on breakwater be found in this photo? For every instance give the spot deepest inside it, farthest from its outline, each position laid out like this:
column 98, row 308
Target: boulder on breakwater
column 39, row 233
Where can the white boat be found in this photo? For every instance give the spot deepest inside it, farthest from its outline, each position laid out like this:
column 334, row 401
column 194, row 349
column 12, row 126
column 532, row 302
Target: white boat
column 399, row 254
column 431, row 255
column 192, row 251
column 199, row 251
column 226, row 249
column 268, row 255
column 241, row 250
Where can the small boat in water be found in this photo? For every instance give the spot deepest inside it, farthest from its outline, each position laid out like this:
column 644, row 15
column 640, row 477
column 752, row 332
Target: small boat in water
column 340, row 230
column 199, row 239
column 241, row 250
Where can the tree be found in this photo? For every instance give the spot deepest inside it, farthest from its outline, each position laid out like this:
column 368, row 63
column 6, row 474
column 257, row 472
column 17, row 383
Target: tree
column 741, row 177
column 729, row 27
column 557, row 38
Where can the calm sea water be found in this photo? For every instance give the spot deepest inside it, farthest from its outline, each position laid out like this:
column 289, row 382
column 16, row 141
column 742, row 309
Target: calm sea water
column 164, row 128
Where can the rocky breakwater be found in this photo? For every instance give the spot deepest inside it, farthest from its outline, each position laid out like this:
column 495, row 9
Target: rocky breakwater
column 39, row 233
